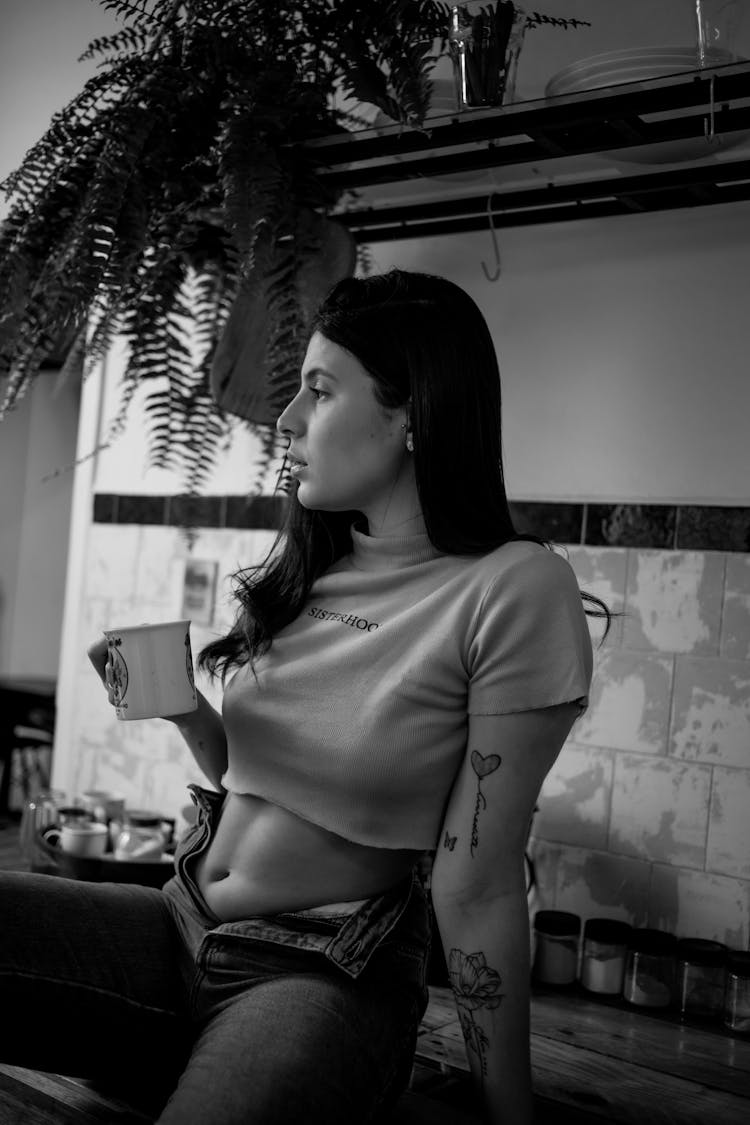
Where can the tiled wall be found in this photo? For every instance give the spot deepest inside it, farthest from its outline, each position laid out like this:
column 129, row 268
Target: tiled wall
column 646, row 814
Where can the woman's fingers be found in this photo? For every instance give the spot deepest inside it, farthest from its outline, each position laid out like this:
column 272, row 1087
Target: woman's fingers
column 98, row 654
column 109, row 681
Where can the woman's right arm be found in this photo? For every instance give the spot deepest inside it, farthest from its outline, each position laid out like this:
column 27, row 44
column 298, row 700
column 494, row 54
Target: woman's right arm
column 202, row 729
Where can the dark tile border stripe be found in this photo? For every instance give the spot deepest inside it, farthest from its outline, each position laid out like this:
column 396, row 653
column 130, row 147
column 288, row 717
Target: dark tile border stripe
column 247, row 512
column 685, row 527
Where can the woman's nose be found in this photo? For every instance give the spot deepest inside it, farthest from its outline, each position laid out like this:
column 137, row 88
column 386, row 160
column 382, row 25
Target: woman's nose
column 285, row 422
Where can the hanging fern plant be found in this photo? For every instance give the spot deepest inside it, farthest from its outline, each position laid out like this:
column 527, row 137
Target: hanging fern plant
column 175, row 186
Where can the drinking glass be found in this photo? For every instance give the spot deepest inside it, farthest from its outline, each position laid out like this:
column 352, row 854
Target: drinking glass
column 38, row 813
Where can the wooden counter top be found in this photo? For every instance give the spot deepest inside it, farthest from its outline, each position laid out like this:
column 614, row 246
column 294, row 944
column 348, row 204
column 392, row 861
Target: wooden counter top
column 597, row 1061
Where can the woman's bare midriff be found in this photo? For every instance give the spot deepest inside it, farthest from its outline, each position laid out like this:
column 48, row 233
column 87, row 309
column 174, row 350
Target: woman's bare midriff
column 264, row 859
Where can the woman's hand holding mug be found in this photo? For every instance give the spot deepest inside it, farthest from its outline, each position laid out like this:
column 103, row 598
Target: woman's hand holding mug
column 147, row 670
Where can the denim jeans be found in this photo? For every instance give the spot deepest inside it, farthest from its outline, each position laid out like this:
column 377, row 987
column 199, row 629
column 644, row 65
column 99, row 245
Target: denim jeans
column 308, row 1016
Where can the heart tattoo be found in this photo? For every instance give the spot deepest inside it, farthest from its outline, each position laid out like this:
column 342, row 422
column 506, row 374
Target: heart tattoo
column 483, row 766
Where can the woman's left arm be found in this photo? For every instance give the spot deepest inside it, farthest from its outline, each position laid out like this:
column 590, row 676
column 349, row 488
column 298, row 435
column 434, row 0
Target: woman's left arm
column 479, row 897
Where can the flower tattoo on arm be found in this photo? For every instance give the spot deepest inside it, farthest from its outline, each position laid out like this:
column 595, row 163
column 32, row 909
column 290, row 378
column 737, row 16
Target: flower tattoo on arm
column 475, row 985
column 482, row 766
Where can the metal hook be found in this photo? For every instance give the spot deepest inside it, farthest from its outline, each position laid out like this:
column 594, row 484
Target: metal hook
column 495, row 247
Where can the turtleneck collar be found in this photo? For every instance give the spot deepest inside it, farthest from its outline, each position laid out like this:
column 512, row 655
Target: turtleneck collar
column 391, row 552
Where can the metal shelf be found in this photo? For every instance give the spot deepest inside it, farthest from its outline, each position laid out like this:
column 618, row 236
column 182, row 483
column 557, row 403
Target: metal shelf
column 559, row 132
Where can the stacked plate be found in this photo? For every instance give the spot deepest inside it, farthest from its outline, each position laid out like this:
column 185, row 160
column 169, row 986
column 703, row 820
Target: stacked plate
column 636, row 64
column 639, row 64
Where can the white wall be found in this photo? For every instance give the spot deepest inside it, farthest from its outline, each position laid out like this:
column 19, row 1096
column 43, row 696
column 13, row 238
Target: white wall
column 13, row 440
column 37, row 449
column 623, row 347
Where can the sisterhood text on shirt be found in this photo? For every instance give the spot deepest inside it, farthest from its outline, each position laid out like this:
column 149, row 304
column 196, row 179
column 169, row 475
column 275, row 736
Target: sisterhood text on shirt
column 344, row 619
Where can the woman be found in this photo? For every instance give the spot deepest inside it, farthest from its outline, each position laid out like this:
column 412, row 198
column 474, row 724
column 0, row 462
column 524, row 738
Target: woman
column 404, row 671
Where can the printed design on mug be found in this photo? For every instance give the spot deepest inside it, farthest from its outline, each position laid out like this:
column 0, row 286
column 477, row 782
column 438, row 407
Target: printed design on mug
column 189, row 662
column 120, row 676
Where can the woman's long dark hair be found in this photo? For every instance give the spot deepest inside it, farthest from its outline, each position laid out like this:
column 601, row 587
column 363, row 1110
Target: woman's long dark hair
column 424, row 342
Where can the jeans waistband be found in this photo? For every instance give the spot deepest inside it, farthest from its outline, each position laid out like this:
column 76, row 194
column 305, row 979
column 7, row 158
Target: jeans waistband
column 347, row 934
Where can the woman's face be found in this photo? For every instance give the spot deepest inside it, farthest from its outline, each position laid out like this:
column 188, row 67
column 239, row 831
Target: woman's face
column 346, row 450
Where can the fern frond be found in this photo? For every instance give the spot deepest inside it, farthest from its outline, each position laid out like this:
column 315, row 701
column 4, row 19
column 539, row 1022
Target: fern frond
column 130, row 38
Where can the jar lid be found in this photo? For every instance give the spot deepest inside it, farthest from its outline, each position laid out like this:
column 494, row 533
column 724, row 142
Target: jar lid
column 608, row 930
column 738, row 962
column 142, row 818
column 557, row 922
column 700, row 952
column 658, row 942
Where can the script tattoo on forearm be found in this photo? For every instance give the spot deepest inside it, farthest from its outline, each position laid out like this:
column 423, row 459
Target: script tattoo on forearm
column 482, row 766
column 449, row 842
column 476, row 986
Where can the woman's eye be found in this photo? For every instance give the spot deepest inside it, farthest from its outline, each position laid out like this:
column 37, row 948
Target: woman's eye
column 318, row 392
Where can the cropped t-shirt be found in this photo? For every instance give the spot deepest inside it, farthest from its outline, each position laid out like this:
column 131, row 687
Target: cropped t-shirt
column 357, row 717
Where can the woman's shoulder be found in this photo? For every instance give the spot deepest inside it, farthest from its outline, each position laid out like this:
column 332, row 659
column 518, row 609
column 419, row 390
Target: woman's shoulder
column 523, row 560
column 528, row 576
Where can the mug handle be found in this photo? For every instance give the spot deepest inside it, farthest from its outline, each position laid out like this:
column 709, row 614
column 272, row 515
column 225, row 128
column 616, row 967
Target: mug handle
column 52, row 835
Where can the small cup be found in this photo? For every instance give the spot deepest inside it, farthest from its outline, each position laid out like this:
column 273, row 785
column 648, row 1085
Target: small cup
column 153, row 670
column 73, row 814
column 86, row 839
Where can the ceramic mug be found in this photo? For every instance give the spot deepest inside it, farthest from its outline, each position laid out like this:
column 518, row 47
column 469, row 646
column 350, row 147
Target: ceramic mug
column 152, row 670
column 87, row 839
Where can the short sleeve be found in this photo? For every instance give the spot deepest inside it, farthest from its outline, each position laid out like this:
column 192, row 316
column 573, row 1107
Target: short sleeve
column 531, row 647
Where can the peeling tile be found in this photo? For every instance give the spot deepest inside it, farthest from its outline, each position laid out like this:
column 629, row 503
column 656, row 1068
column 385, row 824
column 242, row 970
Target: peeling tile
column 111, row 560
column 546, row 858
column 159, row 571
column 602, row 571
column 735, row 622
column 629, row 702
column 673, row 601
column 596, row 884
column 141, row 510
column 711, row 711
column 575, row 797
column 659, row 810
column 558, row 522
column 631, row 525
column 713, row 528
column 728, row 848
column 698, row 904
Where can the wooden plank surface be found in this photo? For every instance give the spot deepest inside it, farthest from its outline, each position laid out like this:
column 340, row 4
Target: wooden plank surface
column 628, row 1094
column 613, row 1064
column 30, row 1097
column 686, row 1051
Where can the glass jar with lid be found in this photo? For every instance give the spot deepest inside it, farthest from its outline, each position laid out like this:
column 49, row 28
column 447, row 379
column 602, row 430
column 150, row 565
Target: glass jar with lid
column 701, row 977
column 650, row 968
column 556, row 935
column 141, row 838
column 605, row 950
column 737, row 995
